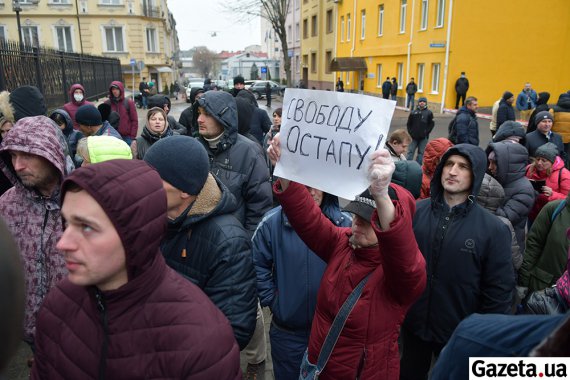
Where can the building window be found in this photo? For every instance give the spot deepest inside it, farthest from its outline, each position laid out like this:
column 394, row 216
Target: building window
column 305, row 60
column 110, row 2
column 289, row 33
column 3, row 33
column 313, row 62
column 328, row 59
column 30, row 35
column 400, row 71
column 314, row 26
column 297, row 33
column 362, row 24
column 378, row 76
column 305, row 28
column 297, row 64
column 421, row 71
column 151, row 40
column 348, row 27
column 424, row 17
column 403, row 7
column 114, row 39
column 329, row 25
column 381, row 19
column 341, row 28
column 63, row 34
column 440, row 13
column 59, row 2
column 435, row 78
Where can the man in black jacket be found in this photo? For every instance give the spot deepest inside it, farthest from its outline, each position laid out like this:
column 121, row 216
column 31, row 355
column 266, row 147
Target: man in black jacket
column 411, row 89
column 505, row 111
column 394, row 89
column 468, row 258
column 461, row 88
column 420, row 124
column 386, row 87
column 205, row 243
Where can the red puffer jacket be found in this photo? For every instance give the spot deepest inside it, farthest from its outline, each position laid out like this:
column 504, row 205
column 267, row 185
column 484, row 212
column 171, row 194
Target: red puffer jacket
column 367, row 347
column 558, row 181
column 433, row 152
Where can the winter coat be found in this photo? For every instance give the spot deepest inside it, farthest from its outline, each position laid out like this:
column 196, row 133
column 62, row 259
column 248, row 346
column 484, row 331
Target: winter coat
column 239, row 163
column 563, row 283
column 395, row 156
column 494, row 110
column 432, row 155
column 561, row 114
column 394, row 88
column 129, row 122
column 491, row 196
column 536, row 139
column 524, row 98
column 546, row 255
column 71, row 135
column 420, row 123
column 519, row 194
column 505, row 112
column 408, row 174
column 411, row 88
column 218, row 258
column 260, row 124
column 458, row 287
column 386, row 87
column 33, row 219
column 541, row 105
column 466, row 130
column 288, row 272
column 157, row 325
column 510, row 129
column 189, row 117
column 143, row 143
column 558, row 181
column 367, row 347
column 72, row 106
column 462, row 86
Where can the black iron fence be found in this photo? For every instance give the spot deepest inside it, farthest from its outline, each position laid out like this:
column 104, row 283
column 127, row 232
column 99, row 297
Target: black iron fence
column 53, row 72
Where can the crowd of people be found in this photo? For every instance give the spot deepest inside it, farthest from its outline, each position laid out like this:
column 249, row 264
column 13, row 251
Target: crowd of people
column 153, row 255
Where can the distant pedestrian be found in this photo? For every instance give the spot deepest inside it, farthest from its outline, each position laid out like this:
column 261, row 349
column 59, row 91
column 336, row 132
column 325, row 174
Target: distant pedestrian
column 394, row 89
column 411, row 89
column 506, row 111
column 386, row 87
column 494, row 111
column 397, row 144
column 420, row 124
column 76, row 100
column 339, row 85
column 268, row 94
column 144, row 90
column 239, row 84
column 541, row 105
column 464, row 128
column 129, row 121
column 526, row 101
column 461, row 88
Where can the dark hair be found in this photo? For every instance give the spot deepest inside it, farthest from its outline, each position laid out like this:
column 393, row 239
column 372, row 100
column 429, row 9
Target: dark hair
column 278, row 111
column 58, row 118
column 470, row 100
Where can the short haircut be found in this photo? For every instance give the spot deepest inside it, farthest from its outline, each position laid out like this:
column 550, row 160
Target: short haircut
column 399, row 136
column 82, row 149
column 470, row 100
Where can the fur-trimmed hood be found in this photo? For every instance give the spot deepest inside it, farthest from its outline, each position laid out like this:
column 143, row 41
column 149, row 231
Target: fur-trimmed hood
column 6, row 108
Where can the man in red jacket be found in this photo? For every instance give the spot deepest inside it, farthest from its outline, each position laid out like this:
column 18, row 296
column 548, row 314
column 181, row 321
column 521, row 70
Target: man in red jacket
column 381, row 243
column 129, row 121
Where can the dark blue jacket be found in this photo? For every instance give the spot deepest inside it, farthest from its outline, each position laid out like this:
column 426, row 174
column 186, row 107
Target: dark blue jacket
column 288, row 272
column 466, row 130
column 208, row 246
column 468, row 257
column 505, row 112
column 536, row 139
column 72, row 136
column 386, row 87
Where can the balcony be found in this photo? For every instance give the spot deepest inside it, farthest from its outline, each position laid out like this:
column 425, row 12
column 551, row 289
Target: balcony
column 153, row 12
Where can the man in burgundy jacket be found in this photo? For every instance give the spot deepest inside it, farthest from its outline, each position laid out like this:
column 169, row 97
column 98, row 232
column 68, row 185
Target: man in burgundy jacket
column 381, row 243
column 129, row 122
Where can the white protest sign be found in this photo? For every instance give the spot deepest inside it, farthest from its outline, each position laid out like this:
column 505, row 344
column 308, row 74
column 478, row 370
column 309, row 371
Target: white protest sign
column 327, row 139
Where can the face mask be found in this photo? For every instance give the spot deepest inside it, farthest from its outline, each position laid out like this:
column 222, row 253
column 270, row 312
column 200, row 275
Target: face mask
column 78, row 97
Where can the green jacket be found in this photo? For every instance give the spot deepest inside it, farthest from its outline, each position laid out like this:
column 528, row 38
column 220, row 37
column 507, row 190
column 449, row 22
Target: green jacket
column 546, row 251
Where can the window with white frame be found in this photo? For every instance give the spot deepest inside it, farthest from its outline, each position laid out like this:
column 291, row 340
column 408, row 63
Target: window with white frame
column 400, row 71
column 341, row 28
column 435, row 69
column 440, row 13
column 362, row 24
column 113, row 39
column 378, row 76
column 59, row 2
column 30, row 35
column 26, row 2
column 151, row 40
column 63, row 35
column 403, row 8
column 110, row 2
column 424, row 14
column 3, row 33
column 421, row 75
column 381, row 19
column 348, row 27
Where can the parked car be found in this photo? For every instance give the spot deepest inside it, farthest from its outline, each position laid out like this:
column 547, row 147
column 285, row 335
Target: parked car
column 193, row 82
column 221, row 84
column 258, row 88
column 249, row 83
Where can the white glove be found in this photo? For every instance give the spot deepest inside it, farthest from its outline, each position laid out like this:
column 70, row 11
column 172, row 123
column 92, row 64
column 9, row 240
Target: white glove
column 380, row 172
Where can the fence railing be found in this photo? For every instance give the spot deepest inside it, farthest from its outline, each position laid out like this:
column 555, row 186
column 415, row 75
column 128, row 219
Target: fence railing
column 53, row 72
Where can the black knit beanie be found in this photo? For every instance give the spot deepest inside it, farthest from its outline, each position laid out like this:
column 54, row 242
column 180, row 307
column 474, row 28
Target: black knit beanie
column 88, row 115
column 507, row 95
column 27, row 101
column 181, row 161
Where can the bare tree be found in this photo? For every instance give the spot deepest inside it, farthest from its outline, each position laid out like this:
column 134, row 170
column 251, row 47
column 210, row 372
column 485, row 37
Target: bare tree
column 204, row 60
column 274, row 11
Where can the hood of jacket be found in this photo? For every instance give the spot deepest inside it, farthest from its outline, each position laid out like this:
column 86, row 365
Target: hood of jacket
column 193, row 92
column 158, row 101
column 121, row 87
column 245, row 112
column 68, row 122
column 510, row 128
column 124, row 188
column 72, row 89
column 27, row 101
column 543, row 98
column 6, row 109
column 491, row 195
column 476, row 157
column 564, row 101
column 222, row 106
column 432, row 154
column 408, row 174
column 248, row 95
column 36, row 135
column 511, row 161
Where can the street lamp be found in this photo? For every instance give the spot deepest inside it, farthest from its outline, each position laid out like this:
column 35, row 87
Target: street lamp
column 16, row 7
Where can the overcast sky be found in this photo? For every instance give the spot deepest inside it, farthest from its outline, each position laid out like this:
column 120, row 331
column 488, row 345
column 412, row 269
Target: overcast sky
column 197, row 20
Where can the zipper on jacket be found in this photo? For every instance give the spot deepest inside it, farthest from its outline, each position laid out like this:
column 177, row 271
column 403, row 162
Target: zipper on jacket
column 103, row 312
column 361, row 363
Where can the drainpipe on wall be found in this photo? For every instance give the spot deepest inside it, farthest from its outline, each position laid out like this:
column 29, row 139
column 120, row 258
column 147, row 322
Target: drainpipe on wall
column 336, row 73
column 445, row 66
column 410, row 46
column 354, row 40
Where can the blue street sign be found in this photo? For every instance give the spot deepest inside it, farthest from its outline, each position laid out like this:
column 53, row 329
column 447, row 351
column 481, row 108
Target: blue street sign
column 133, row 61
column 264, row 70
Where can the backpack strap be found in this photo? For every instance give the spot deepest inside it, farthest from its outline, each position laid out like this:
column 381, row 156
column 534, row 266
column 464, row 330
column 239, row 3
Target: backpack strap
column 127, row 105
column 557, row 211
